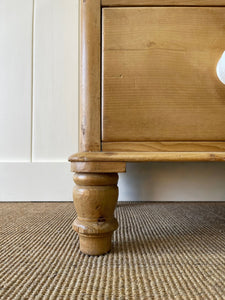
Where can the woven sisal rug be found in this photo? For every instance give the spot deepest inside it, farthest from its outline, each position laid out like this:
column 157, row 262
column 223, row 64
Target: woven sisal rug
column 161, row 251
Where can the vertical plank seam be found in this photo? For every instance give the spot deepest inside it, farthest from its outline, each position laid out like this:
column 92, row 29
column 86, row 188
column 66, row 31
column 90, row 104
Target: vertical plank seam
column 32, row 85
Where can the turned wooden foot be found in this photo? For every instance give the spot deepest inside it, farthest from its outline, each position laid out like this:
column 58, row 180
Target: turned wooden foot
column 95, row 196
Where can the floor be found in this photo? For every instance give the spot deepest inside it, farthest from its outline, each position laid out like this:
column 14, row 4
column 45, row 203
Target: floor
column 161, row 251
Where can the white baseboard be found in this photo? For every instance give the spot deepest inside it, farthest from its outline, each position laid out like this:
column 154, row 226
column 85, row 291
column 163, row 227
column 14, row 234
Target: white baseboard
column 35, row 182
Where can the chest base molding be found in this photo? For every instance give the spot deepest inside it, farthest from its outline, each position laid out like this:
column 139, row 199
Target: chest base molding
column 146, row 156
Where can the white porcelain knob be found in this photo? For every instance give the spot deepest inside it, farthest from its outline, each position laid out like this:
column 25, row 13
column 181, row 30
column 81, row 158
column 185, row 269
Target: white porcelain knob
column 220, row 69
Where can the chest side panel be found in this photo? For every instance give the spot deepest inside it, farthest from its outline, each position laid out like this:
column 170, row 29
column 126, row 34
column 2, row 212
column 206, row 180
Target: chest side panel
column 159, row 79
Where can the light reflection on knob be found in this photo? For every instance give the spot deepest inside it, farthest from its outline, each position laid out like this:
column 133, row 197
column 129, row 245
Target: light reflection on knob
column 220, row 69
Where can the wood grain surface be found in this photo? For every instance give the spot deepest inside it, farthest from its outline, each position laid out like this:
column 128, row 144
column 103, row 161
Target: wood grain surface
column 95, row 198
column 90, row 53
column 163, row 3
column 146, row 156
column 159, row 74
column 163, row 146
column 98, row 167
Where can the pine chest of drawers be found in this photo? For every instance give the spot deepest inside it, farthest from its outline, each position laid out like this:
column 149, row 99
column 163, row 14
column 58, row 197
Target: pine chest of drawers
column 149, row 91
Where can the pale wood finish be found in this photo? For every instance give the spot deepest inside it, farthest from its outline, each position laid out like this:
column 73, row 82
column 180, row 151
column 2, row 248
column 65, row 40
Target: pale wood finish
column 95, row 197
column 95, row 202
column 163, row 146
column 98, row 167
column 90, row 66
column 161, row 99
column 147, row 156
column 112, row 3
column 159, row 74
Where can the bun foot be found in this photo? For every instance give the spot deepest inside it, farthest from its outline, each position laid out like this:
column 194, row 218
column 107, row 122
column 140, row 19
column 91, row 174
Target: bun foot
column 95, row 198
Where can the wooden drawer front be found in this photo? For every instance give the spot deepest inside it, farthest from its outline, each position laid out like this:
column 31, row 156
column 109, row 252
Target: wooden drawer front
column 159, row 74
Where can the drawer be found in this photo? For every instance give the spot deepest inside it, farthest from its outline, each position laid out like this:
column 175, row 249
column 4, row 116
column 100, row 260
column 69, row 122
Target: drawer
column 159, row 80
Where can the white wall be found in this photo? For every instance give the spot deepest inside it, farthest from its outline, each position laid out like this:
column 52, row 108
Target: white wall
column 173, row 182
column 39, row 115
column 38, row 98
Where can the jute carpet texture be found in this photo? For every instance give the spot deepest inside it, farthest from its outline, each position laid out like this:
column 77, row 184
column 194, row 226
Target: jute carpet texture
column 161, row 251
